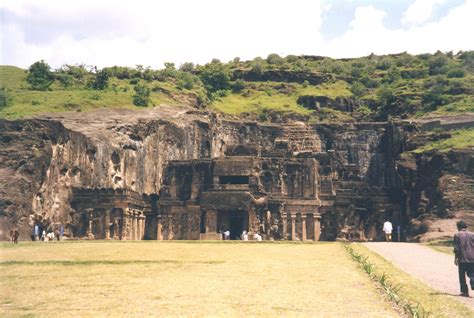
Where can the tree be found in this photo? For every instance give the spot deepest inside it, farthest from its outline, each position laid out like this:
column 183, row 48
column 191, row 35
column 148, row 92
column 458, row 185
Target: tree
column 275, row 59
column 215, row 76
column 142, row 95
column 101, row 80
column 39, row 76
column 187, row 67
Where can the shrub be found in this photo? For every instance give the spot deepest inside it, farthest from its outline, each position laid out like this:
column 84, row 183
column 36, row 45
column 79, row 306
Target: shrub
column 358, row 89
column 256, row 68
column 39, row 76
column 186, row 80
column 66, row 80
column 238, row 86
column 456, row 73
column 384, row 64
column 433, row 98
column 438, row 64
column 78, row 72
column 187, row 67
column 215, row 76
column 101, row 80
column 275, row 59
column 141, row 96
column 4, row 97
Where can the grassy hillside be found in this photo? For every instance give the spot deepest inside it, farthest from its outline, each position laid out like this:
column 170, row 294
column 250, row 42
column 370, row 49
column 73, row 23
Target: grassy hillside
column 375, row 87
column 457, row 139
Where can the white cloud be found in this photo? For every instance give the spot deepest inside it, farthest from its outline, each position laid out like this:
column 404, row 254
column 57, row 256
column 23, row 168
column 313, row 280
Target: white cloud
column 105, row 33
column 419, row 12
column 367, row 34
column 149, row 33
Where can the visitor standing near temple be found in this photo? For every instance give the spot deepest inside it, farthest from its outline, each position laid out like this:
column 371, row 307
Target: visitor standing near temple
column 464, row 256
column 227, row 235
column 387, row 229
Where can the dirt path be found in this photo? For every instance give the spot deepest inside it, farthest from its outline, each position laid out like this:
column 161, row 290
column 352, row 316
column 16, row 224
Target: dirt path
column 436, row 269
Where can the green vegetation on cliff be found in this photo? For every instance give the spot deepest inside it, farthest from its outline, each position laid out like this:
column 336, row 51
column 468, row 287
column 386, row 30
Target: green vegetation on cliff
column 456, row 139
column 367, row 88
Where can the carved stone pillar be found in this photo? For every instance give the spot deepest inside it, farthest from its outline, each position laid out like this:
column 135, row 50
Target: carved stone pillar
column 159, row 229
column 170, row 227
column 135, row 226
column 107, row 224
column 142, row 227
column 268, row 223
column 303, row 226
column 125, row 227
column 317, row 226
column 285, row 225
column 293, row 226
column 89, row 213
column 116, row 228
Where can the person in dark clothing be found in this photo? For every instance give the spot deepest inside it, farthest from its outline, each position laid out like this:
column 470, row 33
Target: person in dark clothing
column 464, row 256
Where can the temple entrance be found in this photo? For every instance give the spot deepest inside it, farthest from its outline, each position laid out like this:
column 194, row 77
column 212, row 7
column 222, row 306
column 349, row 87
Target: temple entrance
column 234, row 221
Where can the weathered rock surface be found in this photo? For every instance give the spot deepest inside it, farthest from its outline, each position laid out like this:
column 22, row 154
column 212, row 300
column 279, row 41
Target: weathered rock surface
column 363, row 176
column 345, row 104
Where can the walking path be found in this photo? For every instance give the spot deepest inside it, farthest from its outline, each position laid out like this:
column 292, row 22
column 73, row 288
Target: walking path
column 436, row 269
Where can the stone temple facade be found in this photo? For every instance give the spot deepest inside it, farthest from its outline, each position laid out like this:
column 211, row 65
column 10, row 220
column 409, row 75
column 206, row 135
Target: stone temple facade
column 275, row 193
column 287, row 186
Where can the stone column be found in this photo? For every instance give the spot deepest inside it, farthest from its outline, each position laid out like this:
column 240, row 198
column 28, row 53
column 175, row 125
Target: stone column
column 89, row 213
column 124, row 227
column 317, row 226
column 107, row 224
column 116, row 228
column 159, row 230
column 284, row 217
column 170, row 227
column 303, row 225
column 293, row 226
column 142, row 227
column 135, row 226
column 189, row 226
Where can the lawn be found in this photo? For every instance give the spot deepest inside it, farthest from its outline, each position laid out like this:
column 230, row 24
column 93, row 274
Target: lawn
column 185, row 279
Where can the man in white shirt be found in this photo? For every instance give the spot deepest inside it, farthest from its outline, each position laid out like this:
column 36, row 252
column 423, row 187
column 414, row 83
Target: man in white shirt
column 227, row 235
column 387, row 228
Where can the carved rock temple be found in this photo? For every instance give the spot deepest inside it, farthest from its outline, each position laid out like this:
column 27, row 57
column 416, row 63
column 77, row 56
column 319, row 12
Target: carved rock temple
column 280, row 191
column 193, row 176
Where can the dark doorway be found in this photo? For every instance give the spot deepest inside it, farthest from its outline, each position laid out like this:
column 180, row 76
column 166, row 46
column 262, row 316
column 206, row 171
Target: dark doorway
column 234, row 221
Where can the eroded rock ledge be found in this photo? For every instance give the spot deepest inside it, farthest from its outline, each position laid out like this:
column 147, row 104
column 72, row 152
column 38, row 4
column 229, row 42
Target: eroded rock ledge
column 188, row 174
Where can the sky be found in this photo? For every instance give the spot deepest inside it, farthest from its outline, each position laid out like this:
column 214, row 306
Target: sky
column 127, row 33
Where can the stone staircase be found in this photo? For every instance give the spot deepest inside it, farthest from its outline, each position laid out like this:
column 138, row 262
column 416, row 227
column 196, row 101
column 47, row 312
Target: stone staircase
column 300, row 138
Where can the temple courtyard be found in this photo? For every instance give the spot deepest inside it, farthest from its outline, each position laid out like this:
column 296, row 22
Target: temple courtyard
column 225, row 278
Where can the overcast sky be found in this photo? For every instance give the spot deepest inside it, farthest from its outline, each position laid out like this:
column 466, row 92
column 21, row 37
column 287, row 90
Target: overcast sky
column 114, row 32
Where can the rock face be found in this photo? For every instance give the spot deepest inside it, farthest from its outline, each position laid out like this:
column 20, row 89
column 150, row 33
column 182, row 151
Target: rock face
column 121, row 161
column 345, row 104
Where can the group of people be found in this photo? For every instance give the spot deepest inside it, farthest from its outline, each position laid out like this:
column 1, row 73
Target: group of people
column 244, row 236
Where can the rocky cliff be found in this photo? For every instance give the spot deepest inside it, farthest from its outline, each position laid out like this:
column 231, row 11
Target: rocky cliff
column 42, row 160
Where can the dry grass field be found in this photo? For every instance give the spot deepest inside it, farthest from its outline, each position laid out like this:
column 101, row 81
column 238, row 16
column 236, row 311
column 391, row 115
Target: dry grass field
column 184, row 278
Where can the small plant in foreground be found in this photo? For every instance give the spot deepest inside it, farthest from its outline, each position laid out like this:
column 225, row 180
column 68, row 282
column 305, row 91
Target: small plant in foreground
column 410, row 308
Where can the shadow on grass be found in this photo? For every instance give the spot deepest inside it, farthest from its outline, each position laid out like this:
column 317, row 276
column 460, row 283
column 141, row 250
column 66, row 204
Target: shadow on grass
column 104, row 262
column 449, row 294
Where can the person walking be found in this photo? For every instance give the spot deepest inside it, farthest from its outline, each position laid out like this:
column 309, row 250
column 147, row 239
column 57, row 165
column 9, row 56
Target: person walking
column 464, row 256
column 388, row 228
